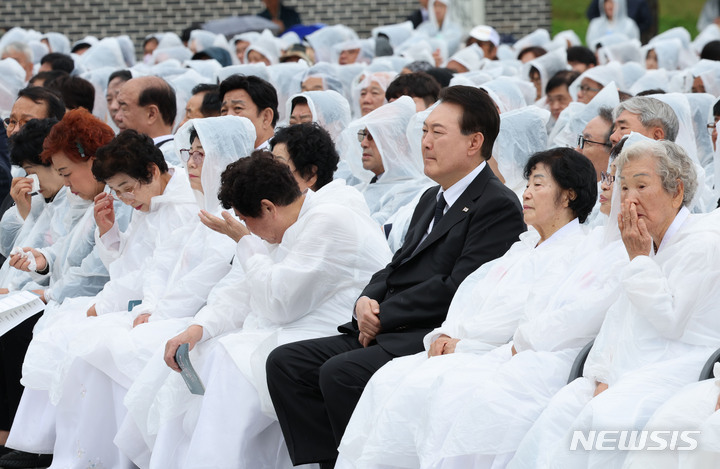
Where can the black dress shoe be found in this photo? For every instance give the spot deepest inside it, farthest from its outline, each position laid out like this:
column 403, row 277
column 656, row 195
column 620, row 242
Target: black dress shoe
column 21, row 459
column 5, row 450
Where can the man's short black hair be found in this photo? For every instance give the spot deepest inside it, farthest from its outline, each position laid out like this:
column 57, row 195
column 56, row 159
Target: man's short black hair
column 46, row 77
column 416, row 85
column 27, row 144
column 563, row 77
column 53, row 102
column 247, row 181
column 573, row 171
column 126, row 75
column 262, row 93
column 75, row 91
column 581, row 54
column 58, row 61
column 441, row 75
column 211, row 104
column 161, row 95
column 479, row 114
column 130, row 153
column 311, row 150
column 716, row 108
column 711, row 51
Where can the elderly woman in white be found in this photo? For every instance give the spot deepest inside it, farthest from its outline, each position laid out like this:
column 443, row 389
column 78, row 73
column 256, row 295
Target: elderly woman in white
column 397, row 410
column 662, row 326
column 320, row 250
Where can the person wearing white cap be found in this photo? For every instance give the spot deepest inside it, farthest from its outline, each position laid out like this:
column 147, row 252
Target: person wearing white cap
column 487, row 38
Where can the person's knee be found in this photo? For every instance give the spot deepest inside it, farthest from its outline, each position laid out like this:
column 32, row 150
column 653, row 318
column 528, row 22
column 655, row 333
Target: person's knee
column 278, row 360
column 339, row 374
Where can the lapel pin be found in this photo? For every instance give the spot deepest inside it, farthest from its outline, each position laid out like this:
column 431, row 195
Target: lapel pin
column 465, row 209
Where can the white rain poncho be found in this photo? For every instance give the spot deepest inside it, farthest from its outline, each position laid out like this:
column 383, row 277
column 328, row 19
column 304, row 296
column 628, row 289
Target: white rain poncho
column 75, row 266
column 547, row 65
column 58, row 42
column 620, row 23
column 655, row 338
column 128, row 49
column 126, row 255
column 206, row 68
column 631, row 72
column 690, row 409
column 701, row 106
column 17, row 34
column 416, row 50
column 201, row 40
column 282, row 299
column 396, row 33
column 283, row 77
column 366, row 47
column 469, row 57
column 113, row 353
column 602, row 74
column 267, row 46
column 475, row 78
column 328, row 108
column 364, row 80
column 564, row 39
column 537, row 38
column 652, row 80
column 392, row 63
column 178, row 53
column 451, row 30
column 670, row 53
column 522, row 134
column 710, row 33
column 45, row 224
column 329, row 74
column 709, row 73
column 622, row 52
column 507, row 93
column 12, row 80
column 403, row 178
column 574, row 118
column 386, row 427
column 38, row 50
column 183, row 86
column 258, row 70
column 323, row 40
column 106, row 53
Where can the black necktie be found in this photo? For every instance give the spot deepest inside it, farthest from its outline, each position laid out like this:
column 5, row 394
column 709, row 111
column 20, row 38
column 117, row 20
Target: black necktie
column 373, row 180
column 439, row 209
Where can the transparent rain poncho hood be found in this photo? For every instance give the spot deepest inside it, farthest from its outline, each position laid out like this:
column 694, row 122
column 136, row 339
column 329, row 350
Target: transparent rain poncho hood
column 183, row 86
column 709, row 73
column 667, row 52
column 565, row 39
column 396, row 33
column 522, row 133
column 548, row 65
column 622, row 52
column 224, row 140
column 323, row 40
column 12, row 80
column 58, row 42
column 329, row 109
column 537, row 38
column 652, row 80
column 574, row 118
column 602, row 74
column 206, row 68
column 329, row 73
column 387, row 124
column 106, row 53
column 266, row 45
column 366, row 46
column 201, row 39
column 620, row 23
column 128, row 49
column 283, row 77
column 450, row 32
column 701, row 107
column 258, row 70
column 469, row 57
column 381, row 78
column 505, row 93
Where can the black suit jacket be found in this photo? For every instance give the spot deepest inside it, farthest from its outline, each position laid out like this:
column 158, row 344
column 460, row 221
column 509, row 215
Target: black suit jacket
column 415, row 289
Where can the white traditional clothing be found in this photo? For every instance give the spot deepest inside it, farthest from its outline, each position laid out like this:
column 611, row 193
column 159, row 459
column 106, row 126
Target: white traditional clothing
column 189, row 263
column 391, row 424
column 299, row 289
column 655, row 339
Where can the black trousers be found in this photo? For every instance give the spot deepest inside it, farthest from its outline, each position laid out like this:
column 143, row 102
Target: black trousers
column 13, row 346
column 315, row 386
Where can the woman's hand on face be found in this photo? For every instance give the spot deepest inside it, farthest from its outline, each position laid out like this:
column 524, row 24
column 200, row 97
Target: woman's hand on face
column 226, row 225
column 104, row 212
column 20, row 192
column 633, row 230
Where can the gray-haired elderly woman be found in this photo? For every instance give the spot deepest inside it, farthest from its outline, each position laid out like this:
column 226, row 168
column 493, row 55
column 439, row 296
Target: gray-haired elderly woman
column 659, row 331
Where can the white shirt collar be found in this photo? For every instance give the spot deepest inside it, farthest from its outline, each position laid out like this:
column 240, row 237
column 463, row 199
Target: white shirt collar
column 264, row 145
column 455, row 191
column 163, row 139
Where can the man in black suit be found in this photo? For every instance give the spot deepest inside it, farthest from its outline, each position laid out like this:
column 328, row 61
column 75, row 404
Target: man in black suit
column 470, row 219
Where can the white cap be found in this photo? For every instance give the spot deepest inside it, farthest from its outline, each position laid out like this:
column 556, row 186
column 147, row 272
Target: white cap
column 485, row 33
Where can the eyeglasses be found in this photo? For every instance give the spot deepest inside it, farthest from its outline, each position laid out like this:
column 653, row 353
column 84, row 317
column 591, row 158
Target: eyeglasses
column 126, row 196
column 197, row 156
column 9, row 124
column 364, row 133
column 711, row 127
column 585, row 89
column 581, row 141
column 606, row 178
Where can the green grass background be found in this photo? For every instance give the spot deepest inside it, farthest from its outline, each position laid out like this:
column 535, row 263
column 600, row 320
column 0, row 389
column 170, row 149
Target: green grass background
column 570, row 14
